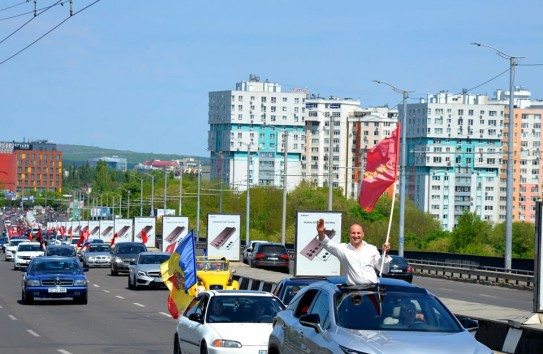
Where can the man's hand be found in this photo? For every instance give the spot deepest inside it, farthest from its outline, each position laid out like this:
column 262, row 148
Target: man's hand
column 320, row 229
column 386, row 247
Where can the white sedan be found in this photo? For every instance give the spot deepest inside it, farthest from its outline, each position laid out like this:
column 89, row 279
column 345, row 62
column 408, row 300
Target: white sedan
column 25, row 252
column 11, row 247
column 227, row 321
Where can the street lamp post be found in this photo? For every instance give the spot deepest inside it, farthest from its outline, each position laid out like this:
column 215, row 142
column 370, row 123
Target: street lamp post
column 284, row 216
column 152, row 196
column 403, row 148
column 330, row 184
column 509, row 185
column 180, row 191
column 165, row 189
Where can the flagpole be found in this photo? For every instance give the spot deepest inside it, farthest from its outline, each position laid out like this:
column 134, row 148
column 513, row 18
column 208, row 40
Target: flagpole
column 389, row 227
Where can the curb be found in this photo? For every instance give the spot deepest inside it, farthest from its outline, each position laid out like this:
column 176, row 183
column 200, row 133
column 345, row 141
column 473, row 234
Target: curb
column 508, row 337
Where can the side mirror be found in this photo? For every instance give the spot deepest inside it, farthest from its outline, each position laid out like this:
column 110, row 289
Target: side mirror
column 196, row 317
column 311, row 320
column 469, row 324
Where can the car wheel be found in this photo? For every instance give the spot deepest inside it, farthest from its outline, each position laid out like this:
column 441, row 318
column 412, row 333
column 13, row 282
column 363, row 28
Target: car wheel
column 203, row 348
column 130, row 282
column 26, row 299
column 114, row 272
column 251, row 264
column 83, row 300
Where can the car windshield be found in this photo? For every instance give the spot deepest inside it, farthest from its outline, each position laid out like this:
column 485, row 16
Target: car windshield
column 154, row 258
column 272, row 249
column 242, row 309
column 217, row 265
column 394, row 311
column 15, row 242
column 61, row 251
column 46, row 265
column 99, row 248
column 28, row 248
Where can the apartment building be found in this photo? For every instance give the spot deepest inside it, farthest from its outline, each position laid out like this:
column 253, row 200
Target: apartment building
column 254, row 129
column 328, row 132
column 454, row 156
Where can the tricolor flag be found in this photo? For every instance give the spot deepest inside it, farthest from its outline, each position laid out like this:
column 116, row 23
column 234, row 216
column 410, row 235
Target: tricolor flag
column 381, row 170
column 179, row 274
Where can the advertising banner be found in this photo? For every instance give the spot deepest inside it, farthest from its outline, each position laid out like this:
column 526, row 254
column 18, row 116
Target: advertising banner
column 124, row 230
column 223, row 236
column 106, row 230
column 174, row 228
column 84, row 225
column 311, row 258
column 145, row 225
column 94, row 229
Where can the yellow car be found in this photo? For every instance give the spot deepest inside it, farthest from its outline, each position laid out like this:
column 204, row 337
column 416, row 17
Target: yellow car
column 213, row 274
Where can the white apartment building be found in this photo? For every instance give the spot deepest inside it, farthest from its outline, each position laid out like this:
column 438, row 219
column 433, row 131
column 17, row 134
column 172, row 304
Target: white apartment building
column 368, row 126
column 327, row 137
column 454, row 156
column 248, row 127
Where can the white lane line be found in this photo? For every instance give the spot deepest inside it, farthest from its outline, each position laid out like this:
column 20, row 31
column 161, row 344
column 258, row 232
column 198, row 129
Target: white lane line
column 12, row 317
column 486, row 295
column 137, row 304
column 119, row 297
column 96, row 285
column 1, row 307
column 32, row 333
column 63, row 351
column 446, row 289
column 165, row 314
column 106, row 291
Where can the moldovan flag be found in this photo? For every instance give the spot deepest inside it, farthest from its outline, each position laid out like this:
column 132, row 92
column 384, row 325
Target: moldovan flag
column 381, row 170
column 179, row 274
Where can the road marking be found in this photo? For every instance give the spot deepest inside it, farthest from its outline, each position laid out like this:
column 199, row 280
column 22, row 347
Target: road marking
column 485, row 295
column 165, row 314
column 32, row 333
column 106, row 291
column 446, row 289
column 12, row 317
column 63, row 351
column 96, row 285
column 119, row 297
column 140, row 305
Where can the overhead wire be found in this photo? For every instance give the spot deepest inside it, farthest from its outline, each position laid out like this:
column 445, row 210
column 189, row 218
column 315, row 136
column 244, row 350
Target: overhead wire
column 46, row 33
column 12, row 6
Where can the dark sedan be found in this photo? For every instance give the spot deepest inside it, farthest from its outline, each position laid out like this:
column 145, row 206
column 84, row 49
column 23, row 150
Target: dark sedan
column 54, row 278
column 270, row 255
column 123, row 254
column 399, row 269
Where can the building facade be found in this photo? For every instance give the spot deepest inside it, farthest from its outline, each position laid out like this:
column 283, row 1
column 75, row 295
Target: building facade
column 114, row 162
column 454, row 156
column 256, row 135
column 30, row 166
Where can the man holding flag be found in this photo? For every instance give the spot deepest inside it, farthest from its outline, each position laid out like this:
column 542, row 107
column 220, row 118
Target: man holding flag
column 179, row 274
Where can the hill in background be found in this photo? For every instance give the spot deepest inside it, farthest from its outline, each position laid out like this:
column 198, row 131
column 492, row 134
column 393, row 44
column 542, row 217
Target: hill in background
column 80, row 154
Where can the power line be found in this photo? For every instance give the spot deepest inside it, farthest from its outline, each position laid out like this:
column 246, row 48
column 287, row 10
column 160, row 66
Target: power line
column 45, row 34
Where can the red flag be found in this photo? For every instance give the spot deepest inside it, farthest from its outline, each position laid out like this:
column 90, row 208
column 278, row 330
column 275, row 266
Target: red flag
column 171, row 248
column 39, row 237
column 113, row 239
column 144, row 237
column 29, row 234
column 381, row 170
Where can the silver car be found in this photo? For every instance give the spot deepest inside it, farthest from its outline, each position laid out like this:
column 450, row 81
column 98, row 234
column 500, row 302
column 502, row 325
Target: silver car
column 390, row 317
column 97, row 255
column 145, row 271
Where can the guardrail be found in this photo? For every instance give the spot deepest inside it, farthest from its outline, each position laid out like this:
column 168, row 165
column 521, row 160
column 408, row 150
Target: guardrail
column 489, row 275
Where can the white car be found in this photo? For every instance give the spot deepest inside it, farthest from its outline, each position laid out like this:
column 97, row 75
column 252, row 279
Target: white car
column 227, row 321
column 25, row 252
column 11, row 248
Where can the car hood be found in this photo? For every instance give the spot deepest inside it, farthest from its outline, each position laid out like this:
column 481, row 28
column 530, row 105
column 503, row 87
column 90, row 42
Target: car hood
column 94, row 254
column 148, row 267
column 409, row 342
column 246, row 333
column 127, row 256
column 30, row 253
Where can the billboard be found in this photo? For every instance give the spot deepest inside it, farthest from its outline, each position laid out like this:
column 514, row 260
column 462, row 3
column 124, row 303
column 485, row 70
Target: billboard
column 311, row 258
column 223, row 236
column 123, row 229
column 107, row 228
column 94, row 229
column 146, row 224
column 174, row 228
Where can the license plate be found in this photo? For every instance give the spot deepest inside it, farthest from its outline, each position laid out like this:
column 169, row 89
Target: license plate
column 395, row 270
column 273, row 258
column 158, row 280
column 57, row 290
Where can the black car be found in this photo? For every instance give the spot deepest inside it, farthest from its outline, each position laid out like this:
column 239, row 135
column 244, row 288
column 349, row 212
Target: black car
column 399, row 269
column 270, row 255
column 123, row 254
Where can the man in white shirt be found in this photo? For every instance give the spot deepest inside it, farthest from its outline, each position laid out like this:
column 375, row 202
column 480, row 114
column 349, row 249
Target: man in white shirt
column 358, row 259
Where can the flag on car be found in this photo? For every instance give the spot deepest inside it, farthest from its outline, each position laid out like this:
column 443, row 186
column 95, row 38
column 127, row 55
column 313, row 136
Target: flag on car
column 381, row 170
column 179, row 274
column 113, row 239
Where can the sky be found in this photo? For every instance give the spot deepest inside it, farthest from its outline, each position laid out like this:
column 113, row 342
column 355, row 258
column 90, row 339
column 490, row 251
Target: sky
column 135, row 75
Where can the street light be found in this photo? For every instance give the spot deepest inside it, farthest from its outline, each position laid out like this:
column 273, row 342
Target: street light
column 403, row 163
column 509, row 186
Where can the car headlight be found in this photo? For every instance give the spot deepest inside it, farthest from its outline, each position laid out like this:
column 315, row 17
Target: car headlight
column 32, row 282
column 90, row 258
column 118, row 260
column 141, row 273
column 80, row 282
column 225, row 343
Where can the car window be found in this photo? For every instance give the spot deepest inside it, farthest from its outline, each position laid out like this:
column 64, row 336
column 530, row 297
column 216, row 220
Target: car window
column 29, row 248
column 271, row 249
column 321, row 307
column 304, row 303
column 398, row 261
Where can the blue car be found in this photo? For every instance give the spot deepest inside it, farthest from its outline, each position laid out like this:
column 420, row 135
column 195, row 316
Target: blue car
column 54, row 278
